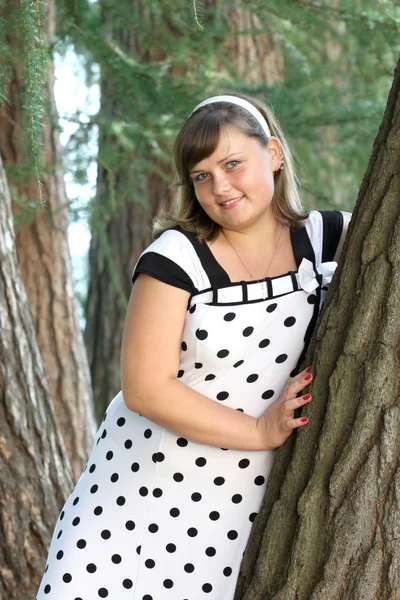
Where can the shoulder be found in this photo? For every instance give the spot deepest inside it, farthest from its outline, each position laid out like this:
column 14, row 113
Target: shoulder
column 172, row 258
column 327, row 231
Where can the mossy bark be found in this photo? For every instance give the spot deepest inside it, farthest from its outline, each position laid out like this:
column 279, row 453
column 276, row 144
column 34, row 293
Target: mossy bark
column 329, row 524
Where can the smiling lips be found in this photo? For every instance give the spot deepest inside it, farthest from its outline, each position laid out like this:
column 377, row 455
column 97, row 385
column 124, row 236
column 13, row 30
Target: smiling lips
column 231, row 203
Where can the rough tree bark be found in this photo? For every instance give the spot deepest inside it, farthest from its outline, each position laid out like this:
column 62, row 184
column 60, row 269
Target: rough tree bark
column 329, row 524
column 44, row 260
column 35, row 473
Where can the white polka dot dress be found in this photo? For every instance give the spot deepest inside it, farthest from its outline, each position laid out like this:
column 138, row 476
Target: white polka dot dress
column 156, row 516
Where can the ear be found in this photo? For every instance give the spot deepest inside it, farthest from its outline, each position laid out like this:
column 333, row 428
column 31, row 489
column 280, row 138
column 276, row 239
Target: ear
column 274, row 148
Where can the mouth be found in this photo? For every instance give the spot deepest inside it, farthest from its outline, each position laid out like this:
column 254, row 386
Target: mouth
column 231, row 203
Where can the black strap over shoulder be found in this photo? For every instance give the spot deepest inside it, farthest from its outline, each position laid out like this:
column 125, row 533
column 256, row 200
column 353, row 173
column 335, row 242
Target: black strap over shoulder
column 301, row 244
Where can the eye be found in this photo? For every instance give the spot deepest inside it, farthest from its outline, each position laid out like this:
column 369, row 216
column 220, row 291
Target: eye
column 232, row 163
column 200, row 177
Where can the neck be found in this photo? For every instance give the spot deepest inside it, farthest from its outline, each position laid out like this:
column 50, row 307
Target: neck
column 264, row 237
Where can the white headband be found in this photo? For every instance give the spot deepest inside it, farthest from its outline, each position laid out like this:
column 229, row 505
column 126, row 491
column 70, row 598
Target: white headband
column 240, row 102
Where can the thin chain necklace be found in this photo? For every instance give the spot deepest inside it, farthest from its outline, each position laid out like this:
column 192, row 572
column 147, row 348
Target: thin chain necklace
column 261, row 282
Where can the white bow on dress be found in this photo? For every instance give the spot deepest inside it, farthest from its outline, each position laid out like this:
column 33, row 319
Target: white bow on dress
column 309, row 280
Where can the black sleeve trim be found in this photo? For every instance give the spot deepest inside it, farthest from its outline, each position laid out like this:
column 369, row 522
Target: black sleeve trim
column 165, row 270
column 332, row 221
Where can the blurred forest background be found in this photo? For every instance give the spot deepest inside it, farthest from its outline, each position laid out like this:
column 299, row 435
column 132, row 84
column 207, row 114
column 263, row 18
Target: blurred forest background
column 326, row 68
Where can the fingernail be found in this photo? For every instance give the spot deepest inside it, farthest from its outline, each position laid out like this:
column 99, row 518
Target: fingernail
column 307, row 377
column 309, row 368
column 307, row 397
column 304, row 419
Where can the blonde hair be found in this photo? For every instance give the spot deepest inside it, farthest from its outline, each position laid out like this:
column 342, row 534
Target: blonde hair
column 197, row 140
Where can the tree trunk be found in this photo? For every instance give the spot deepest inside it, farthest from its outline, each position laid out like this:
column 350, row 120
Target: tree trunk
column 35, row 473
column 328, row 526
column 45, row 263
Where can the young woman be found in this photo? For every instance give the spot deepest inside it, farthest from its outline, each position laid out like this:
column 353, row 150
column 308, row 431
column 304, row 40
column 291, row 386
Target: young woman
column 222, row 308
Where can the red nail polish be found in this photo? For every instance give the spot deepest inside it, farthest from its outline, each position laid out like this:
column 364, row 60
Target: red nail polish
column 309, row 368
column 307, row 397
column 307, row 377
column 304, row 420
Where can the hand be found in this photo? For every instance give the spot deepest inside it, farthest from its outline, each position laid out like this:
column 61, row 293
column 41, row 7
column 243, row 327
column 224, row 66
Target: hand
column 278, row 421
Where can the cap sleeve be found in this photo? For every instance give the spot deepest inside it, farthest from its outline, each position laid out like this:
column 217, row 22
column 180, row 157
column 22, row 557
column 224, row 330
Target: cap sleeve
column 324, row 228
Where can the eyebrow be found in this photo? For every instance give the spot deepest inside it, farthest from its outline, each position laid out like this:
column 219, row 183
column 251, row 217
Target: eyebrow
column 219, row 162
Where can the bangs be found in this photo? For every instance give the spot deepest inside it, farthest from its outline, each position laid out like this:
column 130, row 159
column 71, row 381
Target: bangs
column 197, row 140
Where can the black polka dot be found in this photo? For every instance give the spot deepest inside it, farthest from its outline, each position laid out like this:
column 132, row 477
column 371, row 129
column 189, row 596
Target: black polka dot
column 148, row 433
column 128, row 444
column 312, row 299
column 47, row 589
column 59, row 555
column 252, row 517
column 153, row 527
column 92, row 468
column 222, row 396
column 59, row 534
column 121, row 421
column 76, row 521
column 168, row 583
column 214, row 515
column 116, row 559
column 94, row 489
column 238, row 363
column 227, row 571
column 104, row 434
column 201, row 334
column 210, row 377
column 147, row 597
column 106, row 534
column 114, row 477
column 75, row 502
column 219, row 481
column 196, row 497
column 67, row 578
column 244, row 463
column 91, row 568
column 62, row 515
column 229, row 316
column 237, row 498
column 121, row 500
column 198, row 365
column 130, row 525
column 223, row 353
column 135, row 467
column 138, row 550
column 81, row 544
column 210, row 551
column 207, row 588
column 264, row 343
column 271, row 307
column 127, row 583
column 281, row 358
column 189, row 568
column 192, row 532
column 289, row 322
column 180, row 373
column 267, row 395
column 200, row 462
column 239, row 409
column 109, row 455
column 157, row 492
column 252, row 378
column 192, row 309
column 143, row 491
column 174, row 512
column 150, row 564
column 103, row 593
column 182, row 442
column 46, row 569
column 184, row 346
column 247, row 331
column 171, row 548
column 232, row 534
column 178, row 477
column 293, row 373
column 259, row 480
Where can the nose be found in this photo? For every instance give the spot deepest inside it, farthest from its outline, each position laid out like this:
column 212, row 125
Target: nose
column 220, row 184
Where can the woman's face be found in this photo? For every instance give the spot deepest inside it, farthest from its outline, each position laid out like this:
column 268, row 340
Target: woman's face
column 235, row 185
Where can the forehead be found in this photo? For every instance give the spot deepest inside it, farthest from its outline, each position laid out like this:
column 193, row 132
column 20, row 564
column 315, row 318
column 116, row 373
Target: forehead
column 231, row 140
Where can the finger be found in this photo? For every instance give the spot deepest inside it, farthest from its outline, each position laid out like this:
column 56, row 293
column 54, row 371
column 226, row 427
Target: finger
column 295, row 386
column 294, row 403
column 296, row 423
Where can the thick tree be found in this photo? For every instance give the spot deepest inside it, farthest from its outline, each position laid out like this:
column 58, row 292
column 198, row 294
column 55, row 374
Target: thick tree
column 35, row 473
column 328, row 526
column 42, row 243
